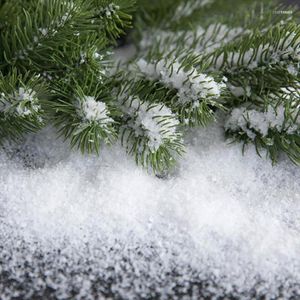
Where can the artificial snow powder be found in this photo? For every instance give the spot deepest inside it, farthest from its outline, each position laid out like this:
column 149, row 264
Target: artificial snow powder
column 87, row 227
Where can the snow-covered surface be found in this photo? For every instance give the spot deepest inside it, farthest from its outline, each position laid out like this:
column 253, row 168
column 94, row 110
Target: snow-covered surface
column 78, row 227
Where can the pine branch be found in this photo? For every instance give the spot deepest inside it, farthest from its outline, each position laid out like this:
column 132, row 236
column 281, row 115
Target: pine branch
column 116, row 16
column 20, row 108
column 85, row 116
column 275, row 128
column 149, row 130
column 193, row 95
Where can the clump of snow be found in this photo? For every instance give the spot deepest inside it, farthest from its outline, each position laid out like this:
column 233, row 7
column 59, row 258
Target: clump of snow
column 251, row 121
column 86, row 227
column 292, row 70
column 94, row 111
column 239, row 91
column 156, row 122
column 191, row 85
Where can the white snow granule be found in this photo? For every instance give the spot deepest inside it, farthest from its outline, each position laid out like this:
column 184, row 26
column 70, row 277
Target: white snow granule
column 110, row 10
column 87, row 227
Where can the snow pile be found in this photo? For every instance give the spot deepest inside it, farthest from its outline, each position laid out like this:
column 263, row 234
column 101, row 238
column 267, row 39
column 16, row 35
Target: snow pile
column 75, row 227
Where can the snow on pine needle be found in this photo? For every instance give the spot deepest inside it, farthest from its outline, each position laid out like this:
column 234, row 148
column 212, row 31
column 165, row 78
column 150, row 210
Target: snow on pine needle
column 94, row 111
column 110, row 10
column 251, row 121
column 201, row 40
column 22, row 102
column 191, row 85
column 270, row 51
column 195, row 91
column 275, row 128
column 151, row 130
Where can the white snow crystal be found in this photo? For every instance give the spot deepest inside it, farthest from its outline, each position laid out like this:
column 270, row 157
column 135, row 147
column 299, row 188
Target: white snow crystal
column 44, row 31
column 239, row 90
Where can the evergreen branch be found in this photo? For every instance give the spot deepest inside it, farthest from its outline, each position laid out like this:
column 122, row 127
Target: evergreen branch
column 116, row 16
column 149, row 130
column 20, row 109
column 84, row 116
column 59, row 28
column 195, row 94
column 276, row 128
column 280, row 43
